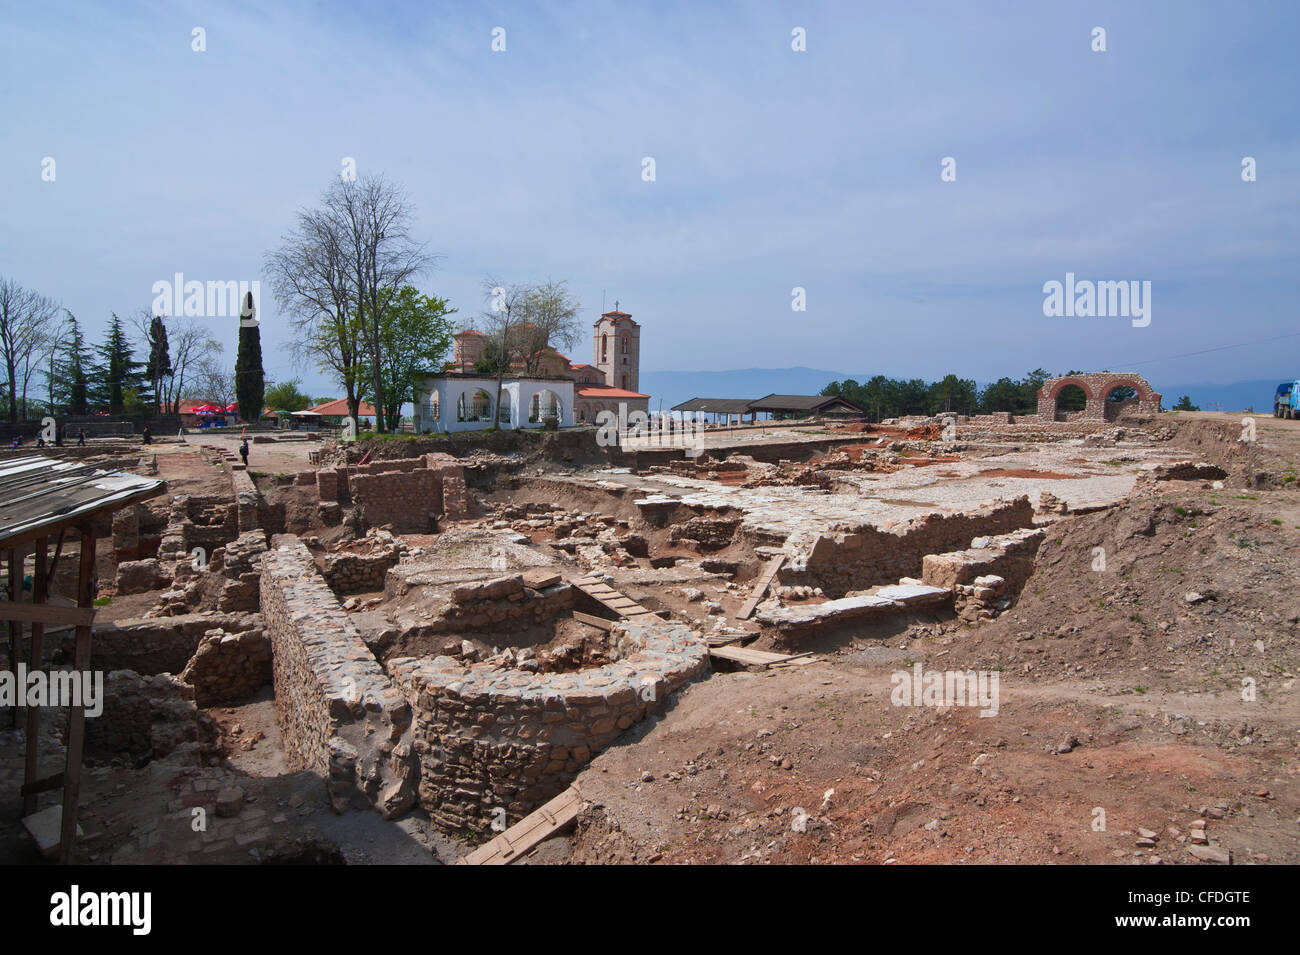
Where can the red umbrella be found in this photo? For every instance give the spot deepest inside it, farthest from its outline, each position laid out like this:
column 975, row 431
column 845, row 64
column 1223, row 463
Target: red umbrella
column 232, row 407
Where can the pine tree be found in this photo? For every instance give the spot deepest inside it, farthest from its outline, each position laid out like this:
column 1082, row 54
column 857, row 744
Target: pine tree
column 116, row 372
column 70, row 366
column 250, row 380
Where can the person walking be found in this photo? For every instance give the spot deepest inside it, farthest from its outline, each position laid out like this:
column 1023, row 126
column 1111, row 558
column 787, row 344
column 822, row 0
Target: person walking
column 148, row 435
column 243, row 452
column 81, row 437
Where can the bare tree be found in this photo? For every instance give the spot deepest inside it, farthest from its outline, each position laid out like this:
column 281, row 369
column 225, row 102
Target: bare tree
column 24, row 315
column 190, row 344
column 371, row 219
column 503, row 319
column 59, row 336
column 211, row 381
column 550, row 319
column 313, row 283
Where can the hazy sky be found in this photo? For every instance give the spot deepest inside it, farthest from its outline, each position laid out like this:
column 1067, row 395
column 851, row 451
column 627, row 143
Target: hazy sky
column 774, row 168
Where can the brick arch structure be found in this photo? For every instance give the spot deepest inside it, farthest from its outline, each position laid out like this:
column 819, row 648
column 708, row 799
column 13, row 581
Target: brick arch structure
column 1095, row 389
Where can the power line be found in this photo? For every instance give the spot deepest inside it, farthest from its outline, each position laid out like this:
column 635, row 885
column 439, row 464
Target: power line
column 1206, row 351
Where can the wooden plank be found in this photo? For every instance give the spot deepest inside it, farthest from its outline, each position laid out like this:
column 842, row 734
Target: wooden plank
column 760, row 588
column 47, row 614
column 748, row 657
column 593, row 620
column 528, row 832
column 538, row 579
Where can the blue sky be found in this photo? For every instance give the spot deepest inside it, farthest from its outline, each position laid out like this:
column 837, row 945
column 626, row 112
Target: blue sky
column 774, row 168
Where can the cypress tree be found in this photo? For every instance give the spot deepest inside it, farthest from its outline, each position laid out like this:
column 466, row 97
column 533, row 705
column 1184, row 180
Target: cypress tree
column 160, row 362
column 250, row 380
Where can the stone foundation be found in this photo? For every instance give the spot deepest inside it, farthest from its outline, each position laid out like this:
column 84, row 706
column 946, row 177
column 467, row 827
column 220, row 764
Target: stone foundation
column 496, row 743
column 849, row 558
column 1009, row 556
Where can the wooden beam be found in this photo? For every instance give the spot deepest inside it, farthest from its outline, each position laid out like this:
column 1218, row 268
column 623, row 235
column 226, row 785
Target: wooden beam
column 42, row 785
column 593, row 620
column 77, row 713
column 538, row 825
column 765, row 578
column 47, row 614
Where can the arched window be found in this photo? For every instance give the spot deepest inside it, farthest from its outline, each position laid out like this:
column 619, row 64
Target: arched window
column 476, row 407
column 545, row 404
column 604, row 347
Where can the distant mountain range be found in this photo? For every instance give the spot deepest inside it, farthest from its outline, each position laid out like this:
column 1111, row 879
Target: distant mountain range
column 668, row 388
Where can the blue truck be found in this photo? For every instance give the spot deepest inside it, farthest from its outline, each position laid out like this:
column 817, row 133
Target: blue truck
column 1286, row 400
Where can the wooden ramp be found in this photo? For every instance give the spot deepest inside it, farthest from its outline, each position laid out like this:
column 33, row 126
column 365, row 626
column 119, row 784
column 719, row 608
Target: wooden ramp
column 759, row 658
column 524, row 835
column 611, row 599
column 765, row 578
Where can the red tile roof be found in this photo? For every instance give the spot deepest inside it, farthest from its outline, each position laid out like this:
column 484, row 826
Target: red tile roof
column 339, row 408
column 605, row 391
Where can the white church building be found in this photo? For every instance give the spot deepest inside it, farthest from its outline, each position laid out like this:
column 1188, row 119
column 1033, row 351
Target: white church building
column 465, row 402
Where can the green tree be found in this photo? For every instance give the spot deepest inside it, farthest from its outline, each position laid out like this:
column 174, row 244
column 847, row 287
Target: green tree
column 1185, row 404
column 250, row 379
column 159, row 366
column 69, row 365
column 414, row 338
column 115, row 372
column 285, row 396
column 1001, row 395
column 953, row 394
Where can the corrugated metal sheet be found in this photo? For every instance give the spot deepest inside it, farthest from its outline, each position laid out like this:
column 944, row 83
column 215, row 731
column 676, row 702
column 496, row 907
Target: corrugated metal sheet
column 38, row 492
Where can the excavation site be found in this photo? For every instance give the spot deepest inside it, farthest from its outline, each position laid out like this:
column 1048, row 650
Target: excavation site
column 928, row 640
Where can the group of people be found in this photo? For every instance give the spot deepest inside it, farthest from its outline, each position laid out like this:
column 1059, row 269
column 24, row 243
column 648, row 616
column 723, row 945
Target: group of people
column 147, row 435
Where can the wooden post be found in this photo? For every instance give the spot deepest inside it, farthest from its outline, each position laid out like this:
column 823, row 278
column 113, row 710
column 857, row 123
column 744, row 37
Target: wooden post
column 16, row 557
column 77, row 714
column 40, row 591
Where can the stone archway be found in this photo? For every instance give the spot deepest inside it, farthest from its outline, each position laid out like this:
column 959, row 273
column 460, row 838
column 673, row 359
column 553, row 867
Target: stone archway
column 1097, row 388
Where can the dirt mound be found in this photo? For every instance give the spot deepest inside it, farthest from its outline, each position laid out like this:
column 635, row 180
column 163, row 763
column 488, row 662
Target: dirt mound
column 1182, row 580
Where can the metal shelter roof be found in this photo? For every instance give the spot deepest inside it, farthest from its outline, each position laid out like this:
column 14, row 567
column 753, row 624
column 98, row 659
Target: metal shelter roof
column 39, row 494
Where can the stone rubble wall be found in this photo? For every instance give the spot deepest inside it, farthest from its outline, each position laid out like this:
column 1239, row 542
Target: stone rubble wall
column 851, row 558
column 406, row 501
column 499, row 604
column 228, row 667
column 339, row 714
column 158, row 645
column 493, row 740
column 349, row 573
column 144, row 718
column 408, row 494
column 1008, row 556
column 247, row 499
